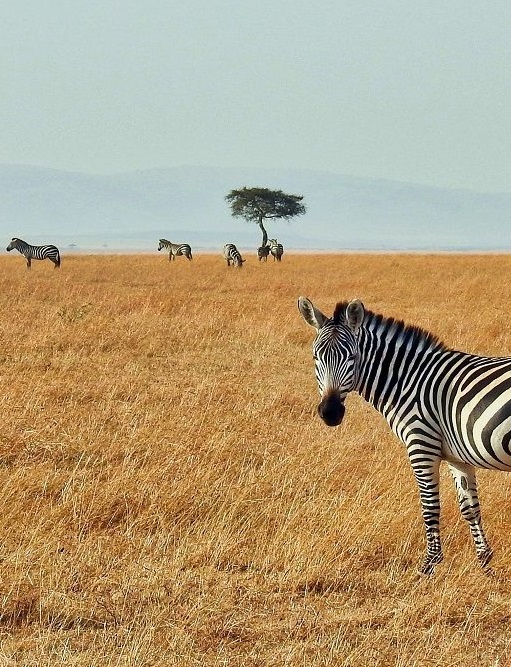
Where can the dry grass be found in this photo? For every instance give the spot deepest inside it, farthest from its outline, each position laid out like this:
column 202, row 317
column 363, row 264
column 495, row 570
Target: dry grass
column 170, row 498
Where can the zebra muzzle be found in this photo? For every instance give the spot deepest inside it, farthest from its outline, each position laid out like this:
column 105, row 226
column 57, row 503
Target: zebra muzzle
column 331, row 409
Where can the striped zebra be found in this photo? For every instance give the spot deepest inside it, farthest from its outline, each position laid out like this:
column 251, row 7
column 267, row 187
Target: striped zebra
column 31, row 252
column 442, row 404
column 263, row 252
column 276, row 249
column 232, row 254
column 175, row 249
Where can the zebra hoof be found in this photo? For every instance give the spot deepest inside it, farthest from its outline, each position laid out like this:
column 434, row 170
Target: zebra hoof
column 429, row 564
column 484, row 558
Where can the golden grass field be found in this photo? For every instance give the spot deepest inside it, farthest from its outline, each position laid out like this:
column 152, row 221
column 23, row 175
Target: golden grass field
column 169, row 497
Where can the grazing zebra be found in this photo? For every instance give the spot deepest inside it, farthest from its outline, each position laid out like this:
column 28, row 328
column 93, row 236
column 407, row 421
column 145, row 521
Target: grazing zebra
column 276, row 249
column 263, row 252
column 441, row 403
column 232, row 254
column 175, row 249
column 31, row 252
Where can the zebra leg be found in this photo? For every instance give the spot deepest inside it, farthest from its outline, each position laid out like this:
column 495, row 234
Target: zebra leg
column 29, row 262
column 466, row 490
column 426, row 471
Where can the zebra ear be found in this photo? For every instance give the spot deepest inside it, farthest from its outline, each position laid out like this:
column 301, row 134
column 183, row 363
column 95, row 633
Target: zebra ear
column 355, row 312
column 310, row 314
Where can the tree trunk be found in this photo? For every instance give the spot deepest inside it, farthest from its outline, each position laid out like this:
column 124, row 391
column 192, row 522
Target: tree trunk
column 265, row 235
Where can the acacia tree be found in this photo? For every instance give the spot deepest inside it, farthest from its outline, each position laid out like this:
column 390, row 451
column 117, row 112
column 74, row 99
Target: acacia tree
column 260, row 204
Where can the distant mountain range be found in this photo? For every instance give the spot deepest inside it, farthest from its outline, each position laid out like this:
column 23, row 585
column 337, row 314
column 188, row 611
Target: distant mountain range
column 133, row 210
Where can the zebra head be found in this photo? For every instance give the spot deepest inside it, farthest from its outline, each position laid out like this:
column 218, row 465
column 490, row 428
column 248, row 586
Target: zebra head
column 336, row 354
column 12, row 245
column 161, row 244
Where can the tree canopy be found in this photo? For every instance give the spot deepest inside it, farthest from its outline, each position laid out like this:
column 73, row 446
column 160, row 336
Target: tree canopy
column 260, row 204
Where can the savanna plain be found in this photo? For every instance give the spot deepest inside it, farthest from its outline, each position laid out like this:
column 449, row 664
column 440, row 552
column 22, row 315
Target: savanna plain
column 169, row 496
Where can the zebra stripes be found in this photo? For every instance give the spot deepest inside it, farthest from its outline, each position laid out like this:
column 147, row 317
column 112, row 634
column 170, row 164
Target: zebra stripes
column 232, row 254
column 263, row 252
column 31, row 252
column 276, row 249
column 443, row 404
column 175, row 249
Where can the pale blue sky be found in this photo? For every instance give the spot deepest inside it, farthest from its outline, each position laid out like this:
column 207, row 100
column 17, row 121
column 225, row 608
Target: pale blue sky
column 406, row 90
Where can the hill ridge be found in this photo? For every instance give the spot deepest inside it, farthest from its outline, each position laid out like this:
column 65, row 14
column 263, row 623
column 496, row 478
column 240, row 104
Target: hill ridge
column 132, row 209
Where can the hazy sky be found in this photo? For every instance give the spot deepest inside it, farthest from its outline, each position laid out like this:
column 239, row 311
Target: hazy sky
column 408, row 90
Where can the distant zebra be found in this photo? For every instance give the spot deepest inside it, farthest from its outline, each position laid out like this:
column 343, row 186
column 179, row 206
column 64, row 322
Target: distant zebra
column 232, row 254
column 31, row 252
column 263, row 252
column 175, row 249
column 442, row 404
column 276, row 249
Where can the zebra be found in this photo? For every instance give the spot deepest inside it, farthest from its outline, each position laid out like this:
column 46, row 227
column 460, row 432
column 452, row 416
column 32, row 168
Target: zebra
column 232, row 254
column 176, row 249
column 263, row 252
column 276, row 249
column 31, row 252
column 443, row 404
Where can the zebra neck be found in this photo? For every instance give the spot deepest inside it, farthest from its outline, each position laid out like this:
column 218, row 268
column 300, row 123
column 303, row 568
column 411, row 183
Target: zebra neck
column 392, row 357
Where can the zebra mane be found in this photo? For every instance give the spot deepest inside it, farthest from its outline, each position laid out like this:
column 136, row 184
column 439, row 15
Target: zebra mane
column 339, row 316
column 375, row 321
